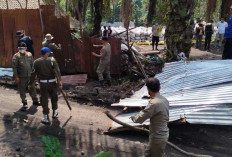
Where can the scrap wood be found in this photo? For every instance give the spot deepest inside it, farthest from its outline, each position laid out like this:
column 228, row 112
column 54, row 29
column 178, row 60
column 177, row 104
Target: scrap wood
column 147, row 131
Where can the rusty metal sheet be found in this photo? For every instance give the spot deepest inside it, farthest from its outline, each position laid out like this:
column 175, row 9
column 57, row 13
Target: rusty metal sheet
column 115, row 55
column 2, row 45
column 74, row 79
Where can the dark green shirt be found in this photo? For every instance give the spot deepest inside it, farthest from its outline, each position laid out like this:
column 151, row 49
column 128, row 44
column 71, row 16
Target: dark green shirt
column 22, row 64
column 43, row 69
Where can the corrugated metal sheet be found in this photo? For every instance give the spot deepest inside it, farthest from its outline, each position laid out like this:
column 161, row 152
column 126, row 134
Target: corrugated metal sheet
column 197, row 90
column 6, row 72
column 17, row 4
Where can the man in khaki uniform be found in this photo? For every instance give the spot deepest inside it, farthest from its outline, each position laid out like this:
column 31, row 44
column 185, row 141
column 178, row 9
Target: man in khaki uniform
column 22, row 68
column 104, row 64
column 44, row 69
column 158, row 112
column 52, row 46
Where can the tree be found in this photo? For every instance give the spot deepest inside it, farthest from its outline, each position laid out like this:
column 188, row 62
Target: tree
column 126, row 14
column 97, row 17
column 225, row 8
column 151, row 12
column 179, row 31
column 211, row 7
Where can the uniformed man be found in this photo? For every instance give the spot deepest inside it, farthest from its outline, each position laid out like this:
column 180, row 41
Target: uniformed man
column 22, row 68
column 48, row 43
column 158, row 112
column 27, row 40
column 44, row 69
column 104, row 64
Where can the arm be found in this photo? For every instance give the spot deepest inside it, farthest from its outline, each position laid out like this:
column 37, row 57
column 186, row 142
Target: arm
column 144, row 114
column 15, row 68
column 102, row 54
column 33, row 74
column 97, row 45
column 55, row 47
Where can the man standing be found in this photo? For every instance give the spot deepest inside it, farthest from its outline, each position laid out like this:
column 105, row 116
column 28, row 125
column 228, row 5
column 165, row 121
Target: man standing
column 27, row 40
column 155, row 35
column 227, row 53
column 158, row 112
column 109, row 31
column 52, row 46
column 104, row 64
column 105, row 32
column 209, row 29
column 199, row 33
column 44, row 69
column 22, row 68
column 221, row 30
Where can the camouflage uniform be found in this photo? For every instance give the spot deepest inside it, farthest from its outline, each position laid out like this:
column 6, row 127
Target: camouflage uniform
column 52, row 46
column 158, row 112
column 22, row 68
column 104, row 64
column 43, row 69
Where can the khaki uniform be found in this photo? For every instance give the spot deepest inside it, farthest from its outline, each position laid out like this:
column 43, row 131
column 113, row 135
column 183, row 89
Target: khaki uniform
column 43, row 69
column 158, row 112
column 22, row 68
column 104, row 64
column 52, row 46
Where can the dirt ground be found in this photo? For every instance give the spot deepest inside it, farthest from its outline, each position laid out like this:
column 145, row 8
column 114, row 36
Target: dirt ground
column 83, row 128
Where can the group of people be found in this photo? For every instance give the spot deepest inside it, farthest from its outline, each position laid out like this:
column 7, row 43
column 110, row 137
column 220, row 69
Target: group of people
column 26, row 71
column 208, row 30
column 107, row 33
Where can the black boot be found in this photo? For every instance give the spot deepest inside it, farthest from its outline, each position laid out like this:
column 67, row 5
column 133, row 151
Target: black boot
column 108, row 82
column 24, row 108
column 36, row 103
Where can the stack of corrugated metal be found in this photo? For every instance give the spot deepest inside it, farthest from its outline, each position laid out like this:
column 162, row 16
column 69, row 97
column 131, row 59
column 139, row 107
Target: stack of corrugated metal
column 200, row 91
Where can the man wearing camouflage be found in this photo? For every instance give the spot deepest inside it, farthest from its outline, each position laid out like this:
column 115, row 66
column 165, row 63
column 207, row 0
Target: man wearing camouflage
column 22, row 68
column 104, row 64
column 44, row 69
column 157, row 111
column 52, row 46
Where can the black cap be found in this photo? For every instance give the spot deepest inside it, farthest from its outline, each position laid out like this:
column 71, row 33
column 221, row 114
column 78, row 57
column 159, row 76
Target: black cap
column 22, row 44
column 19, row 33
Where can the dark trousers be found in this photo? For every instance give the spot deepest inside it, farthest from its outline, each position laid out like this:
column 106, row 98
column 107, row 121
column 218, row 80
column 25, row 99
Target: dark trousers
column 198, row 42
column 46, row 90
column 227, row 53
column 155, row 41
column 208, row 41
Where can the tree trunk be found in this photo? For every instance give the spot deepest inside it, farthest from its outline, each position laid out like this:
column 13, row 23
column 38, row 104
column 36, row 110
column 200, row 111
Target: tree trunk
column 97, row 17
column 151, row 12
column 211, row 6
column 179, row 31
column 225, row 9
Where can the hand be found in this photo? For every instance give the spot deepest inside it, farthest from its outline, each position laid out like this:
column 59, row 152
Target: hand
column 17, row 80
column 132, row 118
column 59, row 45
column 29, row 87
column 60, row 85
column 93, row 53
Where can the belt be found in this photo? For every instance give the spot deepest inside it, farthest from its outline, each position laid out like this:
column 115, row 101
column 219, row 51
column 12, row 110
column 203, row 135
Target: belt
column 48, row 81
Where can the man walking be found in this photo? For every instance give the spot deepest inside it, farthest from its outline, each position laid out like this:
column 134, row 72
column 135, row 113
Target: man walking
column 155, row 35
column 222, row 25
column 44, row 69
column 209, row 29
column 27, row 40
column 158, row 112
column 104, row 64
column 52, row 46
column 22, row 68
column 227, row 53
column 199, row 34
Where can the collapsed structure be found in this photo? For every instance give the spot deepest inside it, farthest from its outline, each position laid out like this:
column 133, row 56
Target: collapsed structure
column 199, row 92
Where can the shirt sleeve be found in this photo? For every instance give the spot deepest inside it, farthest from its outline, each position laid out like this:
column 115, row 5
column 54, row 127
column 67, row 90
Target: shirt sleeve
column 33, row 74
column 15, row 66
column 145, row 114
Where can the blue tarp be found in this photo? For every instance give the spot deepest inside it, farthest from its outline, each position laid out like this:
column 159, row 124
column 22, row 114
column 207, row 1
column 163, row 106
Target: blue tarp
column 6, row 72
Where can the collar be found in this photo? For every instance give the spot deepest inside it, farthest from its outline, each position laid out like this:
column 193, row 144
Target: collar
column 156, row 95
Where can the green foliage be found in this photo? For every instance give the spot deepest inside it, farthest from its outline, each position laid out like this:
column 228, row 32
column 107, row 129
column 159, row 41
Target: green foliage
column 51, row 146
column 175, row 2
column 183, row 13
column 103, row 154
column 175, row 37
column 162, row 9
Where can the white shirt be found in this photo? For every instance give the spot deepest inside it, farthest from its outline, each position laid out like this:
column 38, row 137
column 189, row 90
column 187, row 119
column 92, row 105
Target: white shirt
column 222, row 27
column 155, row 30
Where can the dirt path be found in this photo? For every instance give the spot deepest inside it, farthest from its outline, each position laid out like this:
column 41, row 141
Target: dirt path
column 82, row 130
